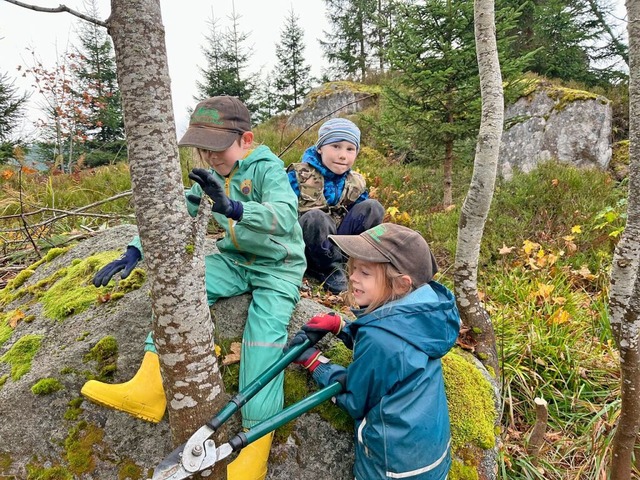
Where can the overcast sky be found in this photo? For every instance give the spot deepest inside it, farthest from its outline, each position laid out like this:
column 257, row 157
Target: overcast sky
column 186, row 25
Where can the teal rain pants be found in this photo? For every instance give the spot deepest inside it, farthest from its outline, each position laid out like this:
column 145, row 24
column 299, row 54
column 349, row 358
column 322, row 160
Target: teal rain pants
column 265, row 331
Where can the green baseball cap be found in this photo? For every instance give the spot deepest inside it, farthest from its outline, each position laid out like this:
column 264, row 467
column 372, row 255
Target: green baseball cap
column 216, row 123
column 400, row 246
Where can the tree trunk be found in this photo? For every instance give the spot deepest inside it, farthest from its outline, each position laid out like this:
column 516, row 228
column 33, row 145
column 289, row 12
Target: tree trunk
column 173, row 242
column 624, row 296
column 476, row 205
column 447, row 170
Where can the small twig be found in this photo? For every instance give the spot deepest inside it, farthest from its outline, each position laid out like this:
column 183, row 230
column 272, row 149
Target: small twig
column 536, row 439
column 320, row 119
column 67, row 213
column 24, row 220
column 59, row 9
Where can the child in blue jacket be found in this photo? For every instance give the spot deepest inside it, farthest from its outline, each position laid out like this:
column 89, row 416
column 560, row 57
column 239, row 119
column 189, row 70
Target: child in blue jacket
column 332, row 199
column 394, row 388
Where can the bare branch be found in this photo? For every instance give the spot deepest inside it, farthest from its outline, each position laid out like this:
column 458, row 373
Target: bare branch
column 59, row 9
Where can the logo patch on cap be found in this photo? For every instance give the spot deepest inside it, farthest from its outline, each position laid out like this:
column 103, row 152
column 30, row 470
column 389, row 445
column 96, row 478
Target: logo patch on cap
column 206, row 115
column 376, row 232
column 245, row 186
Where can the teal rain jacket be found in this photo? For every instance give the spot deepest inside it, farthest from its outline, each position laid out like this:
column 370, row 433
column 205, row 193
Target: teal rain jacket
column 268, row 238
column 395, row 388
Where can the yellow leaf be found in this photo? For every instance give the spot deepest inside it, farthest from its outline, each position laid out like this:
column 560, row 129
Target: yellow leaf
column 218, row 350
column 560, row 316
column 392, row 211
column 544, row 290
column 15, row 318
column 576, row 229
column 528, row 246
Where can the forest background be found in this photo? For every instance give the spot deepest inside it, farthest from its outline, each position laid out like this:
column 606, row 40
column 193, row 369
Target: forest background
column 547, row 250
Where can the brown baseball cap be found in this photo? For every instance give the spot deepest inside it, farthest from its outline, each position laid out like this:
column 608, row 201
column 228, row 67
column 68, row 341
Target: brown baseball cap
column 400, row 246
column 216, row 123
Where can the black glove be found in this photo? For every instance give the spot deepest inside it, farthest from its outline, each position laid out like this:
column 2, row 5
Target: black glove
column 297, row 339
column 126, row 262
column 221, row 203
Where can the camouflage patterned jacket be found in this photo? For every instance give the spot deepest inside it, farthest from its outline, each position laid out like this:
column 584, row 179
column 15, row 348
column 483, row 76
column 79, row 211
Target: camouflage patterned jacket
column 318, row 187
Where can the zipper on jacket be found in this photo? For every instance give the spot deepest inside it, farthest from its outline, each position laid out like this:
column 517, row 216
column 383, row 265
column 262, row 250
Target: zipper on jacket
column 227, row 189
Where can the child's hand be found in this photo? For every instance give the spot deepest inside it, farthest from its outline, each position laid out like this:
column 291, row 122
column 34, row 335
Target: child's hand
column 309, row 359
column 126, row 263
column 320, row 325
column 212, row 188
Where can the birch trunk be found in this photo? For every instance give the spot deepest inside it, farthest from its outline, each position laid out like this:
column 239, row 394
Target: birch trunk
column 173, row 242
column 624, row 293
column 476, row 205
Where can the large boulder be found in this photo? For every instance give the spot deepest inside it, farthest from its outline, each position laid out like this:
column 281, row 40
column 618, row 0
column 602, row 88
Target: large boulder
column 552, row 122
column 334, row 99
column 56, row 332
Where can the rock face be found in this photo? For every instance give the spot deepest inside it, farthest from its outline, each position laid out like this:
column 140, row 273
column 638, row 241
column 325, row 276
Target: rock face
column 58, row 435
column 334, row 99
column 570, row 126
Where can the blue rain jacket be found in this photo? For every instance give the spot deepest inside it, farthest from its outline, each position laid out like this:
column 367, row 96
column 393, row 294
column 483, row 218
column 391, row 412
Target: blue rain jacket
column 395, row 388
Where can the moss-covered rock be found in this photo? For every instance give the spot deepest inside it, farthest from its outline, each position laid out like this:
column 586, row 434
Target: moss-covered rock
column 46, row 386
column 21, row 354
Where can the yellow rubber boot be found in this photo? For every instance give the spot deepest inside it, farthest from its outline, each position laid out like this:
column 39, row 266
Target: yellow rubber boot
column 142, row 396
column 251, row 463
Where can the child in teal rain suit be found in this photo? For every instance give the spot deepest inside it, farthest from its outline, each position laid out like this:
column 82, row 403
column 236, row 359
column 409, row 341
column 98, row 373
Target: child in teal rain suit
column 262, row 252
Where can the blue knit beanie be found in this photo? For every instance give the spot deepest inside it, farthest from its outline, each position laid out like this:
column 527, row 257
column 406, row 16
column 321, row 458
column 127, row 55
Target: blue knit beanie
column 338, row 130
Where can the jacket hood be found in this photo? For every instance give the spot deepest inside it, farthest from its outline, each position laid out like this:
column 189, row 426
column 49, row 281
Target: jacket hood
column 312, row 157
column 427, row 318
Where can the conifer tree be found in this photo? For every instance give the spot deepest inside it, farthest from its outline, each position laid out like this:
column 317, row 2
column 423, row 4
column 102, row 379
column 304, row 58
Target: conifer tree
column 227, row 59
column 433, row 102
column 11, row 111
column 96, row 71
column 356, row 40
column 571, row 40
column 292, row 74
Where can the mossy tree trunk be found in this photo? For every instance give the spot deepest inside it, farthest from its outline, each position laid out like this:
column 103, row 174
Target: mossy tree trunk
column 624, row 296
column 478, row 201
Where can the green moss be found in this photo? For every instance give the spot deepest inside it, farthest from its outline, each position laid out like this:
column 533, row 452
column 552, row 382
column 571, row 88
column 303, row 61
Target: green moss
column 73, row 292
column 79, row 447
column 20, row 355
column 471, row 403
column 5, row 329
column 105, row 353
column 46, row 386
column 460, row 471
column 82, row 336
column 74, row 410
column 57, row 472
column 11, row 290
column 134, row 281
column 564, row 96
column 3, row 379
column 5, row 461
column 339, row 354
column 129, row 471
column 189, row 249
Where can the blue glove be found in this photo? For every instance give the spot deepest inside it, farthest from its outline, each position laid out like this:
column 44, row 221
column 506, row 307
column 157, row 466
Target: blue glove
column 126, row 262
column 221, row 203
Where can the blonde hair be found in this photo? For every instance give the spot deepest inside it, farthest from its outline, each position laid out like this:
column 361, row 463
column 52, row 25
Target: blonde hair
column 393, row 285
